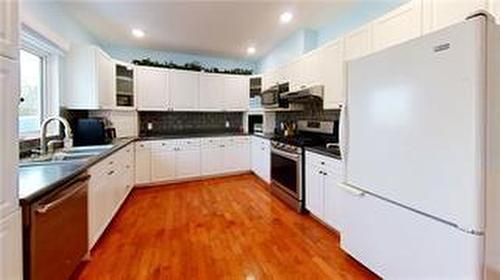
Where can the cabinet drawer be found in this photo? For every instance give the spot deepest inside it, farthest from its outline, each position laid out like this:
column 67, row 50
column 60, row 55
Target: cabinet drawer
column 168, row 145
column 212, row 143
column 145, row 145
column 188, row 143
column 333, row 165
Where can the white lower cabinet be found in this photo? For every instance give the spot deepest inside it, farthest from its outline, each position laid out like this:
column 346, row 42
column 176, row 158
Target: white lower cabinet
column 163, row 160
column 323, row 196
column 11, row 261
column 187, row 159
column 111, row 181
column 315, row 190
column 191, row 157
column 261, row 158
column 142, row 162
column 225, row 155
column 212, row 161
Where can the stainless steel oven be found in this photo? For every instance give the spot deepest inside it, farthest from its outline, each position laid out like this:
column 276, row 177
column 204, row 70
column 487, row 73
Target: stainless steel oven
column 286, row 174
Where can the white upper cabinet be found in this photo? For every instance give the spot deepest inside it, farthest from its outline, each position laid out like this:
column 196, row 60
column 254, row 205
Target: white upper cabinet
column 399, row 25
column 358, row 43
column 152, row 89
column 9, row 28
column 90, row 79
column 237, row 92
column 184, row 87
column 9, row 99
column 311, row 68
column 105, row 68
column 438, row 14
column 332, row 74
column 212, row 87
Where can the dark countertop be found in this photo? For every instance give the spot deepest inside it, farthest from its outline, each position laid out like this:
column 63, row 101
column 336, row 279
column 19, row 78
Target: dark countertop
column 37, row 180
column 322, row 150
column 267, row 136
column 192, row 135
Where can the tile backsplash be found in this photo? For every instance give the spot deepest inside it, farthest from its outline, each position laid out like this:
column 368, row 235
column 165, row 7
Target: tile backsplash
column 165, row 123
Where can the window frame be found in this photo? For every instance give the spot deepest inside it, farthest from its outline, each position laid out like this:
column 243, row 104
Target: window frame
column 50, row 55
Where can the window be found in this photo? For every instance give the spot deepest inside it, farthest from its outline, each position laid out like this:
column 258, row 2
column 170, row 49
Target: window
column 39, row 84
column 32, row 69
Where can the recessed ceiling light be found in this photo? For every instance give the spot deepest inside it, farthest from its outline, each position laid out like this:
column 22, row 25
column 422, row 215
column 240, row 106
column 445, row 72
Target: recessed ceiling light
column 138, row 33
column 286, row 17
column 251, row 50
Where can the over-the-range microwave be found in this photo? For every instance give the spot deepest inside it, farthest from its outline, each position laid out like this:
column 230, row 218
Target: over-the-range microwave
column 270, row 98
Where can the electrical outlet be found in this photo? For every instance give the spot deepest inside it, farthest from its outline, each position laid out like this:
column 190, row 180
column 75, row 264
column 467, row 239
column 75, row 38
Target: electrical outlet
column 150, row 126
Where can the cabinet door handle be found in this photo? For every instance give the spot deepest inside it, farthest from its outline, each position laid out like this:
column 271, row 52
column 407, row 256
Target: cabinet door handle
column 111, row 162
column 324, row 173
column 322, row 163
column 111, row 172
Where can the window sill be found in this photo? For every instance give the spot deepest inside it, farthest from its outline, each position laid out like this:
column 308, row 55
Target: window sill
column 28, row 137
column 35, row 136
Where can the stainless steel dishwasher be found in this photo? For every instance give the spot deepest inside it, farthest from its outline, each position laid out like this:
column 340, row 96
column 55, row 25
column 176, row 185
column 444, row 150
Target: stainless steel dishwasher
column 56, row 232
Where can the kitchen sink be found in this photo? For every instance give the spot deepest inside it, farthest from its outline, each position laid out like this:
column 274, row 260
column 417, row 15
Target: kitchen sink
column 73, row 154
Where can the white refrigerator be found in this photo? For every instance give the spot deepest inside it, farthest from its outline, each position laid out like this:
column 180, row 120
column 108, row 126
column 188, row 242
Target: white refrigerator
column 421, row 152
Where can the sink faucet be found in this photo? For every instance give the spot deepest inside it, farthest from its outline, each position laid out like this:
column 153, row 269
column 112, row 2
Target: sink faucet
column 68, row 140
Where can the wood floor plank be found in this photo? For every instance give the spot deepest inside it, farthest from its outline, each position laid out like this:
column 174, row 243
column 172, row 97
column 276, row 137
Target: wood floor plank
column 223, row 228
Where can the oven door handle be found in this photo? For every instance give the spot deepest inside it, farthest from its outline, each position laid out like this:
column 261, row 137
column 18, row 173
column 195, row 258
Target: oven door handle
column 285, row 154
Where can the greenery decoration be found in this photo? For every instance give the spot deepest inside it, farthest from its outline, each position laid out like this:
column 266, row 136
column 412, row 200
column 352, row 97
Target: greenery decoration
column 192, row 66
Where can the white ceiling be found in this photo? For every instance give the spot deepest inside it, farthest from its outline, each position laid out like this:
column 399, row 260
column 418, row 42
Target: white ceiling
column 222, row 28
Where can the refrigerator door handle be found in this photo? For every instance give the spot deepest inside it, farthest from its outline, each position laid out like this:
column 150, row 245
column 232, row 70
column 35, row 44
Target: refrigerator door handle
column 351, row 190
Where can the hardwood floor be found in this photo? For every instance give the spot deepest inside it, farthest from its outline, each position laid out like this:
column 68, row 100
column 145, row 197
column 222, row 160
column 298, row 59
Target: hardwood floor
column 225, row 228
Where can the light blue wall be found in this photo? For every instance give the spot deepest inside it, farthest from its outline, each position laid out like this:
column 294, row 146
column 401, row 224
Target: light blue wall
column 128, row 54
column 301, row 42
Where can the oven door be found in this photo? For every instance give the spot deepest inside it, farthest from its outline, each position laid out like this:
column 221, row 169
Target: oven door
column 286, row 169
